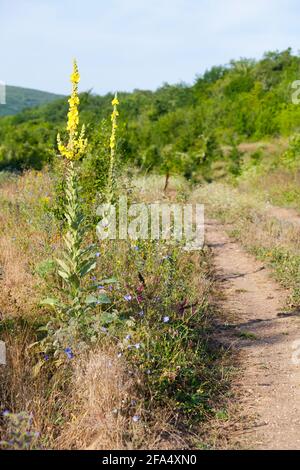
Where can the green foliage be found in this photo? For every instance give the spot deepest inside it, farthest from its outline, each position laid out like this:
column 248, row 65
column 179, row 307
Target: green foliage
column 235, row 160
column 248, row 99
column 291, row 158
column 76, row 301
column 95, row 166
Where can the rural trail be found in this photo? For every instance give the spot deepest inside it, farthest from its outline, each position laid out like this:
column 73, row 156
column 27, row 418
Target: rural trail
column 264, row 337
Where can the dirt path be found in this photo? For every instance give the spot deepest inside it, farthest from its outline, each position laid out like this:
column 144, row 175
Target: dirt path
column 268, row 387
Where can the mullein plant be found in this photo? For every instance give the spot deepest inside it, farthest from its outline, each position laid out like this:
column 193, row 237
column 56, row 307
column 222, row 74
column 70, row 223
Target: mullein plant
column 112, row 144
column 109, row 192
column 77, row 261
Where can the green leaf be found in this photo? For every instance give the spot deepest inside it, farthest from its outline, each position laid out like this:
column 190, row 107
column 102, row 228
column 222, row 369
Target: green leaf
column 110, row 280
column 107, row 317
column 63, row 274
column 50, row 301
column 104, row 299
column 91, row 299
column 101, row 299
column 64, row 266
column 87, row 267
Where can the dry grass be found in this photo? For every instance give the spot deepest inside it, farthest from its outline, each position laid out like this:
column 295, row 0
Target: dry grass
column 102, row 390
column 90, row 401
column 43, row 395
column 26, row 238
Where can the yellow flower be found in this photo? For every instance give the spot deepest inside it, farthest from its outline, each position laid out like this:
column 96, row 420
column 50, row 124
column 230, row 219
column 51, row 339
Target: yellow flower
column 77, row 142
column 113, row 118
column 75, row 77
column 112, row 144
column 115, row 101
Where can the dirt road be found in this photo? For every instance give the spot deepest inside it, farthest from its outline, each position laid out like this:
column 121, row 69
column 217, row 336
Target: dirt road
column 265, row 338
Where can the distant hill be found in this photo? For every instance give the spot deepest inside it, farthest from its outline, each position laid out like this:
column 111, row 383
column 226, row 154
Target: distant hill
column 18, row 98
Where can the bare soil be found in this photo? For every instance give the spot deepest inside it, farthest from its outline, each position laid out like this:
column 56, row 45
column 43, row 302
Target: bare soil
column 264, row 338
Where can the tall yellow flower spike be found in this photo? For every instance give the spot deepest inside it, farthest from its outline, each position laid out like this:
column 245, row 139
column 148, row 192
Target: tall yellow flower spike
column 114, row 116
column 112, row 144
column 77, row 142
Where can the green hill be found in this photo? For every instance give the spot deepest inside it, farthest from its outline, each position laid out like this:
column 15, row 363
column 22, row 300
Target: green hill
column 18, row 98
column 177, row 128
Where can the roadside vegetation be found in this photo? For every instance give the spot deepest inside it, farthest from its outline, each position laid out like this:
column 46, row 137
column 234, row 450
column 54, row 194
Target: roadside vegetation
column 111, row 344
column 108, row 342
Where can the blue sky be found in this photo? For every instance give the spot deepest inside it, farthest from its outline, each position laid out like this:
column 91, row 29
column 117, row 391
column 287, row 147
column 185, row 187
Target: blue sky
column 127, row 44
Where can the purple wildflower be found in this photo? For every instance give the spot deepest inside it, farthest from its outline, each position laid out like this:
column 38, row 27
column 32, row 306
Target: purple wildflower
column 69, row 353
column 136, row 418
column 127, row 297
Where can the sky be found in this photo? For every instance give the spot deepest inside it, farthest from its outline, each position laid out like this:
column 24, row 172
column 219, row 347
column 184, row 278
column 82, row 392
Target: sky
column 129, row 44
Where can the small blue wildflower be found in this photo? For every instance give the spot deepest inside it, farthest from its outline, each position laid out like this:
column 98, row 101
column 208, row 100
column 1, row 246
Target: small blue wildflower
column 69, row 353
column 110, row 287
column 133, row 402
column 103, row 329
column 93, row 278
column 100, row 287
column 46, row 357
column 141, row 313
column 97, row 254
column 127, row 297
column 127, row 337
column 136, row 248
column 137, row 346
column 136, row 418
column 166, row 319
column 5, row 412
